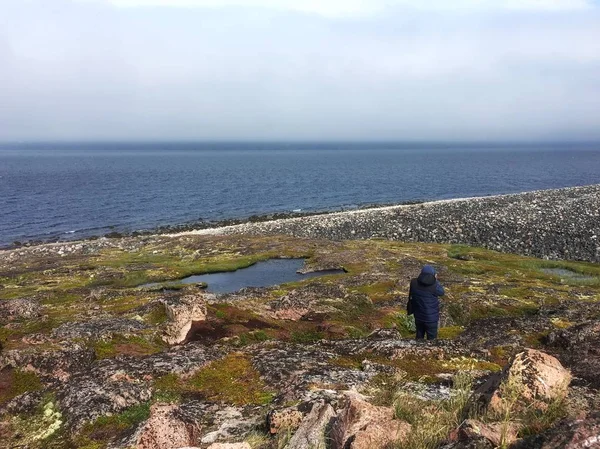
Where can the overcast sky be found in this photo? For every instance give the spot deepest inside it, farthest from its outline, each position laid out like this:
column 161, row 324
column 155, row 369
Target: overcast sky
column 299, row 70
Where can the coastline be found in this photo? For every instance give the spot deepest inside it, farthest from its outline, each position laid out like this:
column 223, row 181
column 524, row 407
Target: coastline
column 554, row 224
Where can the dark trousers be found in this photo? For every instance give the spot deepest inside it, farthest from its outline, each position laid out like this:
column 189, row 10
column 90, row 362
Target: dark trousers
column 431, row 329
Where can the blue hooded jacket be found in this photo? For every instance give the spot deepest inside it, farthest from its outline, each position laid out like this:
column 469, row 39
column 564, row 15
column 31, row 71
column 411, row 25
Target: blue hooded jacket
column 423, row 294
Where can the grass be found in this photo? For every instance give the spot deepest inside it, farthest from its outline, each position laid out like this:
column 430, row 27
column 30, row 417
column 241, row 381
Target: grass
column 432, row 421
column 231, row 380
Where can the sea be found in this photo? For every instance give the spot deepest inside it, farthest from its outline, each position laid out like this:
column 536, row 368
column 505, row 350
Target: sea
column 67, row 191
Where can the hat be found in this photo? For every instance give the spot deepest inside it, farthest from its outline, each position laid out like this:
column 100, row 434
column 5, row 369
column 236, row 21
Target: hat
column 428, row 269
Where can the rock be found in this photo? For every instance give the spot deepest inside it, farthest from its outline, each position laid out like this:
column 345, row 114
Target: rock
column 87, row 398
column 229, row 446
column 499, row 434
column 532, row 378
column 579, row 348
column 53, row 366
column 98, row 329
column 165, row 430
column 312, row 432
column 285, row 419
column 182, row 312
column 22, row 308
column 583, row 433
column 361, row 425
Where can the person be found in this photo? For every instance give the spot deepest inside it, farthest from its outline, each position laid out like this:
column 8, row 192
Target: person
column 424, row 303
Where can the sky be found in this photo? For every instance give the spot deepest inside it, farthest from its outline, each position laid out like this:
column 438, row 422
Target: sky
column 460, row 70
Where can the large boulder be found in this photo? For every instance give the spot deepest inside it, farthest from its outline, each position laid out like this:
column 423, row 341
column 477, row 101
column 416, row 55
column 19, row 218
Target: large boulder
column 165, row 430
column 361, row 425
column 312, row 432
column 182, row 313
column 531, row 379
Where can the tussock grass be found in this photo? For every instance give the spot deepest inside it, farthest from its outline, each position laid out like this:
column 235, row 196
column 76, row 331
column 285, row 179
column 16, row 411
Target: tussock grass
column 432, row 421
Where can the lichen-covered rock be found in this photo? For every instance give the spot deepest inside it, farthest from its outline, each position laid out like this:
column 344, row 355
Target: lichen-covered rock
column 110, row 386
column 287, row 419
column 21, row 308
column 182, row 312
column 85, row 399
column 165, row 430
column 98, row 329
column 229, row 446
column 53, row 366
column 499, row 434
column 361, row 425
column 582, row 433
column 532, row 378
column 579, row 349
column 312, row 432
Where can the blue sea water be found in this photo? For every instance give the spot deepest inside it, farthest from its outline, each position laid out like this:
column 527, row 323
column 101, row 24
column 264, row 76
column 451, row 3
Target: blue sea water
column 70, row 191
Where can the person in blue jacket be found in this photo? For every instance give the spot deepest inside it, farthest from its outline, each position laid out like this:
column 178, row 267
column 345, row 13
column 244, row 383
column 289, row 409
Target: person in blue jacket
column 423, row 301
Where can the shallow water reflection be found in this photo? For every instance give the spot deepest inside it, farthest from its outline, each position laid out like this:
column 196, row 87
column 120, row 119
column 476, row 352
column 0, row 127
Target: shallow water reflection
column 261, row 274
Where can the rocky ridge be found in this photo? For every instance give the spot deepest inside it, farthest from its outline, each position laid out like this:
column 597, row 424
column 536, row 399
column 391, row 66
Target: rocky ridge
column 92, row 359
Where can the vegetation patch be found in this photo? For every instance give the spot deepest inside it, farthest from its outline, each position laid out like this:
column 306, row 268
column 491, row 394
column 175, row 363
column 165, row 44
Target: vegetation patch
column 232, row 380
column 450, row 332
column 16, row 382
column 136, row 346
column 96, row 435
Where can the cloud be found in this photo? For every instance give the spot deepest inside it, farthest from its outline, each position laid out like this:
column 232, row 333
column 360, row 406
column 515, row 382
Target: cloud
column 91, row 70
column 362, row 7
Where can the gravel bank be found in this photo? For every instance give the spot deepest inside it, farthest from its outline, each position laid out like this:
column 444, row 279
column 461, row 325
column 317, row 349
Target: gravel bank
column 554, row 224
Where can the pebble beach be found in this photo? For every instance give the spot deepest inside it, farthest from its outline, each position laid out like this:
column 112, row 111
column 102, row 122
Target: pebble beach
column 554, row 224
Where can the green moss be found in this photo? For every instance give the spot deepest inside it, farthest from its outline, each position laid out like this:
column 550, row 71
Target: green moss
column 450, row 332
column 134, row 345
column 19, row 382
column 308, row 336
column 378, row 291
column 157, row 316
column 168, row 388
column 232, row 379
column 253, row 337
column 106, row 428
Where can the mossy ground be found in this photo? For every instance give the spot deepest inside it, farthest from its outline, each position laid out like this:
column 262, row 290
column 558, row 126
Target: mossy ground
column 480, row 284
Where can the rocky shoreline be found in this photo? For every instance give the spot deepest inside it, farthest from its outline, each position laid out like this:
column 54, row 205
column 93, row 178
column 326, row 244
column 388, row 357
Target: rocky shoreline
column 552, row 224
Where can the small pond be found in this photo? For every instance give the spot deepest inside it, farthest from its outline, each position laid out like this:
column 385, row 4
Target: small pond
column 563, row 273
column 261, row 274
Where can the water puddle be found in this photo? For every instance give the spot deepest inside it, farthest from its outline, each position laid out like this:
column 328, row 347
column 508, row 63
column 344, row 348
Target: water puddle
column 261, row 274
column 563, row 273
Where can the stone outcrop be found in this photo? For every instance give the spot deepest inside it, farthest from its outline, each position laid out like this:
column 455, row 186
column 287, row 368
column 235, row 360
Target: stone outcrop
column 579, row 349
column 312, row 433
column 360, row 425
column 532, row 378
column 165, row 430
column 498, row 434
column 182, row 312
column 229, row 446
column 582, row 433
column 22, row 308
column 98, row 329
